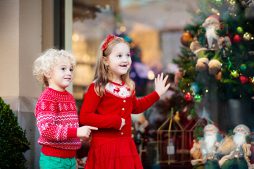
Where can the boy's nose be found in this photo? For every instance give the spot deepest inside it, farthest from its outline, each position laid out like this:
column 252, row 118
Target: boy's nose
column 69, row 72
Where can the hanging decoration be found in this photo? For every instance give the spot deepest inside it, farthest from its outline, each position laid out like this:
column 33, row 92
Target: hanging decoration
column 186, row 38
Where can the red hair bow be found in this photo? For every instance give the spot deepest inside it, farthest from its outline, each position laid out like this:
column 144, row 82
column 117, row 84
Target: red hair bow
column 109, row 38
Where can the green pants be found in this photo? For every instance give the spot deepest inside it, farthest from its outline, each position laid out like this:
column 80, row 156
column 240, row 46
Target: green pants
column 212, row 164
column 48, row 162
column 199, row 166
column 236, row 163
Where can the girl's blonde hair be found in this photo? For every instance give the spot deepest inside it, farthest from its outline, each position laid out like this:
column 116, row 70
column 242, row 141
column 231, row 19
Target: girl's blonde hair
column 45, row 63
column 101, row 77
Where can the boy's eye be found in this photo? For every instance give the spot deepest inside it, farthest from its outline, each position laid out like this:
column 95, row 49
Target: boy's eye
column 119, row 55
column 128, row 55
column 71, row 69
column 63, row 68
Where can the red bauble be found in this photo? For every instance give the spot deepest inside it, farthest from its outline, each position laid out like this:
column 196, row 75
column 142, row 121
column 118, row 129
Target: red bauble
column 237, row 38
column 244, row 79
column 188, row 97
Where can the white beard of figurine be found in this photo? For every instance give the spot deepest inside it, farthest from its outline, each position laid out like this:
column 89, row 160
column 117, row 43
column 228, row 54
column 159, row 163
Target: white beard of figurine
column 239, row 139
column 211, row 36
column 209, row 142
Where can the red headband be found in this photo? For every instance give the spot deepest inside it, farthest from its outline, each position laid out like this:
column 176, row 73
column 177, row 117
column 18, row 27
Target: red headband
column 109, row 38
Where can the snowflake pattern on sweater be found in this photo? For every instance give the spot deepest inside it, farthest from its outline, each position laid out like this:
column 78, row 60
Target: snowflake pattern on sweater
column 57, row 120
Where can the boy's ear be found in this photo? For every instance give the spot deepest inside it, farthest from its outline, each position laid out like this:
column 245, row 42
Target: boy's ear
column 47, row 75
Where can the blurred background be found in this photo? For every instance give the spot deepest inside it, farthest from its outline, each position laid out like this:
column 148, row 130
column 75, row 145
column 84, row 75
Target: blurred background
column 165, row 36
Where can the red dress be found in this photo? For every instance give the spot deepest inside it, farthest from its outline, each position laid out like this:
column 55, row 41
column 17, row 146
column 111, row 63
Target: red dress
column 112, row 148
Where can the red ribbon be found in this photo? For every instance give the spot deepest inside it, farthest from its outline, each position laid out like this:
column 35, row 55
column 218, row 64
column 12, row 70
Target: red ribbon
column 109, row 38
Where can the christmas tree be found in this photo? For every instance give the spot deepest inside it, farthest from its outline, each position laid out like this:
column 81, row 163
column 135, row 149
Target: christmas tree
column 217, row 55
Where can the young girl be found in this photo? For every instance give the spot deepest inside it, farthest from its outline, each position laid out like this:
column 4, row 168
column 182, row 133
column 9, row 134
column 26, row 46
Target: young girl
column 108, row 104
column 56, row 112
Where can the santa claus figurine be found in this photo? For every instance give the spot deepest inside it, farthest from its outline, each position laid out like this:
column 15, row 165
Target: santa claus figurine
column 212, row 25
column 204, row 152
column 209, row 146
column 238, row 158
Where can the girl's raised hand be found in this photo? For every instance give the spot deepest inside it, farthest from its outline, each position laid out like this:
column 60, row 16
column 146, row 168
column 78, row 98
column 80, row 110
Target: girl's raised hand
column 160, row 84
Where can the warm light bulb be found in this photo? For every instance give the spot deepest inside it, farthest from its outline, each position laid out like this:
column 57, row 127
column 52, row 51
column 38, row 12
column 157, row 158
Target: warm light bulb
column 150, row 75
column 75, row 37
column 122, row 28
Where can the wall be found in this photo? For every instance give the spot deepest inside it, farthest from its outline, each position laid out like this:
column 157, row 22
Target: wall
column 9, row 47
column 20, row 44
column 27, row 29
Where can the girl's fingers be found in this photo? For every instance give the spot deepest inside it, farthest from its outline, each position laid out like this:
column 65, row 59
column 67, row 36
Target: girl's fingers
column 168, row 85
column 165, row 79
column 161, row 76
column 92, row 128
column 158, row 77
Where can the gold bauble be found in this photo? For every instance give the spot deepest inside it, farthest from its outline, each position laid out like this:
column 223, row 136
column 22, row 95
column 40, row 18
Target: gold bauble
column 186, row 38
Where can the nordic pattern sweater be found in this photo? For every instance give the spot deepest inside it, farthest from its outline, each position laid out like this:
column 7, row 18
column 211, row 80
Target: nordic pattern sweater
column 57, row 122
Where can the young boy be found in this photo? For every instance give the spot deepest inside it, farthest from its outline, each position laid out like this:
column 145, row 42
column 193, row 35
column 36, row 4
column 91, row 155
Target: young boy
column 56, row 112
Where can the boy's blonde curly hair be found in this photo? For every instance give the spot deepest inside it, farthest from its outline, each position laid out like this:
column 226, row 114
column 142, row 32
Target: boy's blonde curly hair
column 45, row 63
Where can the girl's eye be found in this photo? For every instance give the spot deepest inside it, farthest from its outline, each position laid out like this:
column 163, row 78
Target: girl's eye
column 63, row 68
column 119, row 55
column 71, row 69
column 128, row 55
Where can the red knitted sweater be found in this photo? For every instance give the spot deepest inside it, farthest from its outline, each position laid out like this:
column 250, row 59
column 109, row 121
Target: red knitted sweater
column 57, row 122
